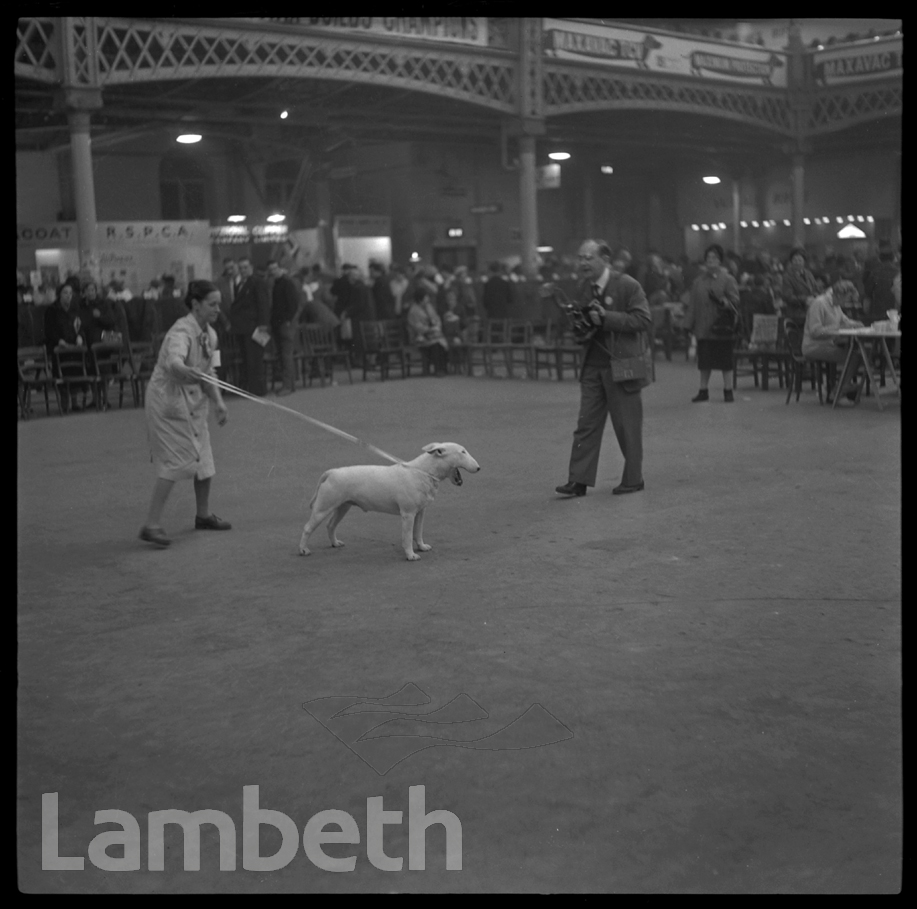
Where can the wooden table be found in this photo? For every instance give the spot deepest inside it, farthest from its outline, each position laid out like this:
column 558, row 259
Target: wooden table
column 863, row 340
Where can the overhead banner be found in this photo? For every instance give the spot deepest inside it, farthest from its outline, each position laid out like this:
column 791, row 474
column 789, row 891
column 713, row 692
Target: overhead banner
column 662, row 52
column 453, row 29
column 117, row 233
column 237, row 234
column 864, row 60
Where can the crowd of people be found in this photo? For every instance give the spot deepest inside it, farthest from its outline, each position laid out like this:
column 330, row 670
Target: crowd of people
column 442, row 308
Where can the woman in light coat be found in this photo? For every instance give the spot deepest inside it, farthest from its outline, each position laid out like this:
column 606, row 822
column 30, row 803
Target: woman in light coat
column 177, row 406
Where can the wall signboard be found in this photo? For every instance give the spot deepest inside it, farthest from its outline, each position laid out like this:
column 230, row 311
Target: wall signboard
column 662, row 52
column 864, row 60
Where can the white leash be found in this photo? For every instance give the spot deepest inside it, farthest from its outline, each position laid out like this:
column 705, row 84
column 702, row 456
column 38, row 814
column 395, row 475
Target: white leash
column 225, row 386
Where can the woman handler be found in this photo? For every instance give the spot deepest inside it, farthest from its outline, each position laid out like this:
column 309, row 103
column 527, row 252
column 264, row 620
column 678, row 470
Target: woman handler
column 177, row 407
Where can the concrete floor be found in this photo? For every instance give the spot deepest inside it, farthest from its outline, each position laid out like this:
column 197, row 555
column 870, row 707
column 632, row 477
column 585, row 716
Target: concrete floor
column 716, row 659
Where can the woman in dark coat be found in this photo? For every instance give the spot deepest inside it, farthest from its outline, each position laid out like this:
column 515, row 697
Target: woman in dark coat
column 799, row 288
column 713, row 289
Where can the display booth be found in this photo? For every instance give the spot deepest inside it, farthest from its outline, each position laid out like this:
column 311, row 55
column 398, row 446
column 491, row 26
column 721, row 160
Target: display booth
column 361, row 239
column 134, row 252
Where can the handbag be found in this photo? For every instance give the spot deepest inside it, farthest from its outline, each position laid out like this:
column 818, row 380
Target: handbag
column 726, row 324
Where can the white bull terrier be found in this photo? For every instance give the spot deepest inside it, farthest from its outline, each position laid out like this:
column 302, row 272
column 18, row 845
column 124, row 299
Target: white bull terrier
column 404, row 488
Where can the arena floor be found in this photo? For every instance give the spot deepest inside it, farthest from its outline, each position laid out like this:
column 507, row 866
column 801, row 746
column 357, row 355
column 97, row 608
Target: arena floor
column 691, row 689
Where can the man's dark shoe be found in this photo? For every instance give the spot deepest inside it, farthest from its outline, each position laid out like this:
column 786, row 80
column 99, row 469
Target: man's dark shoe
column 212, row 522
column 702, row 395
column 154, row 535
column 572, row 489
column 728, row 396
column 623, row 490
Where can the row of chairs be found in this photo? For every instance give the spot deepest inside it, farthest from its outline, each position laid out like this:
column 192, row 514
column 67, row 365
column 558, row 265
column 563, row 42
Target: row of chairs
column 67, row 372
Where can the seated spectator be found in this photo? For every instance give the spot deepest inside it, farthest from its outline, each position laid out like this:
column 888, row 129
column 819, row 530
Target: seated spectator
column 426, row 331
column 64, row 330
column 98, row 315
column 823, row 320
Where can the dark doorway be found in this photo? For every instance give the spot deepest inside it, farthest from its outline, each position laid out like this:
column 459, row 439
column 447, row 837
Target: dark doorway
column 452, row 256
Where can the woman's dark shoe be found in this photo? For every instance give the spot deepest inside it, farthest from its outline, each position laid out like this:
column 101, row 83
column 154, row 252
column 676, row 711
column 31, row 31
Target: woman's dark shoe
column 572, row 489
column 211, row 522
column 702, row 395
column 154, row 535
column 728, row 396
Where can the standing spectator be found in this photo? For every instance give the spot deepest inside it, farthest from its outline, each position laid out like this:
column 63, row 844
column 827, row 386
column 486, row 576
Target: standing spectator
column 177, row 406
column 251, row 311
column 799, row 287
column 617, row 307
column 285, row 308
column 498, row 293
column 383, row 298
column 713, row 289
column 171, row 305
column 360, row 305
column 64, row 330
column 228, row 284
column 398, row 284
column 878, row 283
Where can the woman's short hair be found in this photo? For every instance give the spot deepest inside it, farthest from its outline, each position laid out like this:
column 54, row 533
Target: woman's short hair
column 199, row 290
column 844, row 288
column 715, row 248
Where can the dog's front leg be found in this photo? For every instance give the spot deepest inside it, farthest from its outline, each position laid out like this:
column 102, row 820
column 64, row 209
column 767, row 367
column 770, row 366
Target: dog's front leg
column 407, row 532
column 418, row 532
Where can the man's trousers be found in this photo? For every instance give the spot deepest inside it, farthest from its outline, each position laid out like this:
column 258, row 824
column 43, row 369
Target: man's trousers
column 601, row 396
column 253, row 378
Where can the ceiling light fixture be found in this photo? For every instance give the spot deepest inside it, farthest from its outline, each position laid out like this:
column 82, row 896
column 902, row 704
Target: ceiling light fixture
column 607, row 169
column 236, row 218
column 711, row 181
column 189, row 138
column 276, row 218
column 559, row 156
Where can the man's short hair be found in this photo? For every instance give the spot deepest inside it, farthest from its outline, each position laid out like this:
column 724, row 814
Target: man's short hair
column 602, row 247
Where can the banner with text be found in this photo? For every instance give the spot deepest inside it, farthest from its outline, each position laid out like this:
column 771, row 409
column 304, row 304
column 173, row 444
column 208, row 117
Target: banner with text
column 662, row 52
column 453, row 29
column 117, row 233
column 865, row 60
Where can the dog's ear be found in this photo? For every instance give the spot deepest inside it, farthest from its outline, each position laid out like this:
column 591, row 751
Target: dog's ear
column 434, row 448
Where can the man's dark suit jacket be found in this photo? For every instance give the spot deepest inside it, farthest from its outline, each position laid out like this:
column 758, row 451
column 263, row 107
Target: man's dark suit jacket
column 285, row 300
column 252, row 306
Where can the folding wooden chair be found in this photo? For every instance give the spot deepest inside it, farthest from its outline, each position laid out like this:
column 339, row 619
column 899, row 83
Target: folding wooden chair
column 321, row 352
column 74, row 373
column 110, row 365
column 35, row 374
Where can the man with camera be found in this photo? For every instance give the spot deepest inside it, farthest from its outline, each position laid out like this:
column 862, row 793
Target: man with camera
column 611, row 319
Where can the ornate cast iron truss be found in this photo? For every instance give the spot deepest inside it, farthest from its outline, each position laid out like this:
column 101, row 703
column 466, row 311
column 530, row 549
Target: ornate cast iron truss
column 98, row 52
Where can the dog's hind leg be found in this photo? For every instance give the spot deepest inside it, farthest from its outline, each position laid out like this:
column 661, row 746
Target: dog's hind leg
column 336, row 519
column 407, row 533
column 315, row 519
column 418, row 532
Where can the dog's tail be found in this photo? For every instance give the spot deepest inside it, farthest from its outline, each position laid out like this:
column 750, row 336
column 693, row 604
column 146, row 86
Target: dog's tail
column 321, row 480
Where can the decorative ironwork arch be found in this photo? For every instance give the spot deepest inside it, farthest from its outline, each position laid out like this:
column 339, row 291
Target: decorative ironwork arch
column 841, row 108
column 95, row 52
column 581, row 89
